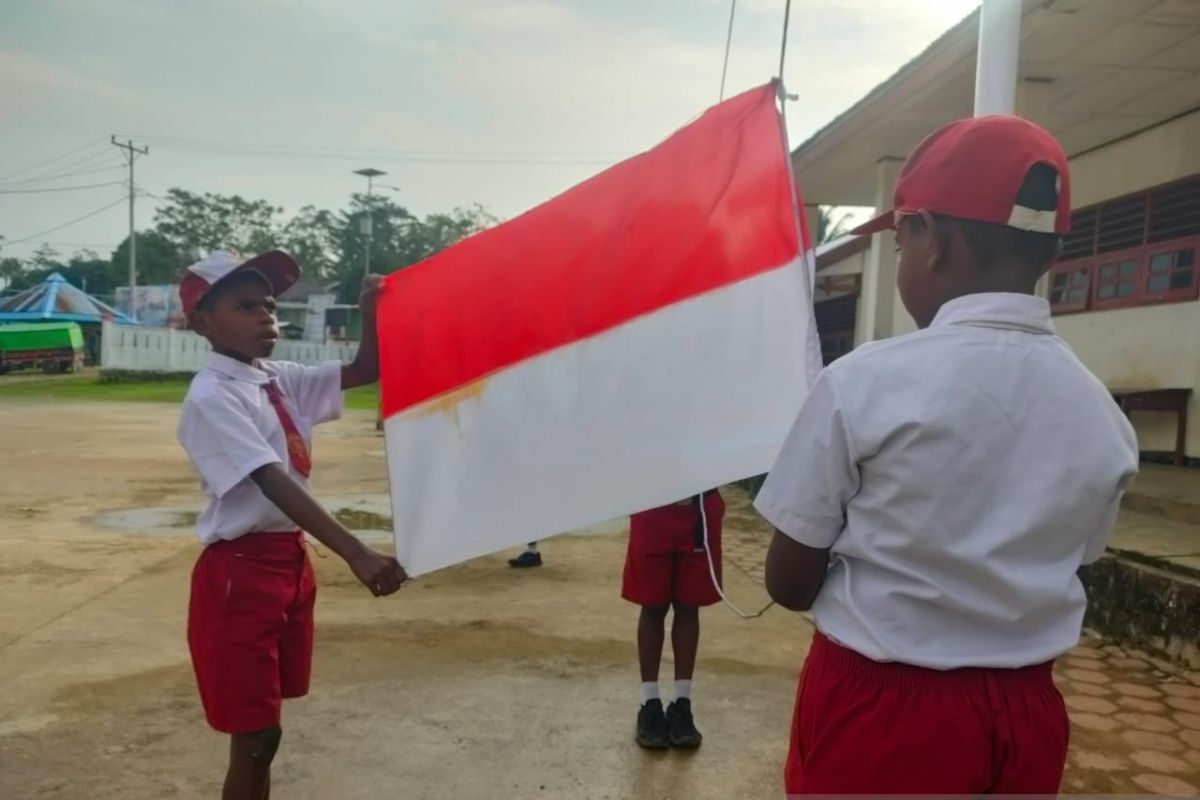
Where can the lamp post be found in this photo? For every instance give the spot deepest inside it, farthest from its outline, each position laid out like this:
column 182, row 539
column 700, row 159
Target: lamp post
column 367, row 222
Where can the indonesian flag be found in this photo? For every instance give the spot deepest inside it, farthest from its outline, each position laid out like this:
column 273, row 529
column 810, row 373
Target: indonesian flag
column 636, row 340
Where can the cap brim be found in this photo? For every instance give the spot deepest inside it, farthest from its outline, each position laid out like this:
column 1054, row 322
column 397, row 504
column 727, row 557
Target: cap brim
column 884, row 222
column 279, row 268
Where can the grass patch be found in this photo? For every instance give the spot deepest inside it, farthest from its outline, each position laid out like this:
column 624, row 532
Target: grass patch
column 89, row 387
column 363, row 398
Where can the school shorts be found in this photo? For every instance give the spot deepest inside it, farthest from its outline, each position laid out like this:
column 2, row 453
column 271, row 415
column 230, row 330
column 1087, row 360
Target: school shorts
column 250, row 628
column 665, row 561
column 864, row 727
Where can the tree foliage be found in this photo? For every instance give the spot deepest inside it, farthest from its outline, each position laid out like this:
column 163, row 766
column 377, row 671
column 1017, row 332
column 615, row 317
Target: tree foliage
column 329, row 245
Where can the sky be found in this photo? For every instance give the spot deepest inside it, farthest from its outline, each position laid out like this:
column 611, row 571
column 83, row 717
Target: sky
column 504, row 103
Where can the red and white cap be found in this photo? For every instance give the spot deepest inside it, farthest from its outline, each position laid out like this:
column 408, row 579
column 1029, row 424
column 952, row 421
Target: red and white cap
column 276, row 267
column 974, row 169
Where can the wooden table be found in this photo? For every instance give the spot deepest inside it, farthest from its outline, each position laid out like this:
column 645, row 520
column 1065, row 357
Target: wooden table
column 1159, row 400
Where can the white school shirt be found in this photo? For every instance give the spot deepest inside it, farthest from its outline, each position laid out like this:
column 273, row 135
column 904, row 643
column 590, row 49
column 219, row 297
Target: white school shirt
column 960, row 476
column 229, row 428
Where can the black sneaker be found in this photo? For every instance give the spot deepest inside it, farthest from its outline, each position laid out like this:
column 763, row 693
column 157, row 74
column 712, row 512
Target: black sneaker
column 526, row 559
column 683, row 731
column 652, row 726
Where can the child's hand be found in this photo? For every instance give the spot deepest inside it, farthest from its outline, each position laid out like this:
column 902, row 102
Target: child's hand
column 372, row 286
column 379, row 573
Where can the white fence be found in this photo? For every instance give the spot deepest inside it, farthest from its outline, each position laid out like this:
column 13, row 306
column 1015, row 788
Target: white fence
column 169, row 350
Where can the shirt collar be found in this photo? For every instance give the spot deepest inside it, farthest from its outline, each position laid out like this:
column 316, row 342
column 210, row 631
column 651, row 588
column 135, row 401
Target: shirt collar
column 997, row 309
column 232, row 368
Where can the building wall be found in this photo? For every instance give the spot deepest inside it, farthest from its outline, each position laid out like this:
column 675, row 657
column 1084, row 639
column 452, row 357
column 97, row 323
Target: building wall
column 1149, row 346
column 1162, row 154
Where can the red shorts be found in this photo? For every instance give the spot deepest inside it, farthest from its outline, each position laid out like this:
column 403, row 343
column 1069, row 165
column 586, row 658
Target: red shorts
column 862, row 727
column 250, row 628
column 664, row 563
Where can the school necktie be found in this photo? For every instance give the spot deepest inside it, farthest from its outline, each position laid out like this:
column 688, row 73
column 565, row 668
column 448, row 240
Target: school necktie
column 297, row 448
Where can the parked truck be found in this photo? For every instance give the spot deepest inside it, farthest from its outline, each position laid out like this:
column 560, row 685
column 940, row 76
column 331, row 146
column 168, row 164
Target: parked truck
column 52, row 346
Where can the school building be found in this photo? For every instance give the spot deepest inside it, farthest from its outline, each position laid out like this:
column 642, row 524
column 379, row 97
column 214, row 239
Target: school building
column 1118, row 82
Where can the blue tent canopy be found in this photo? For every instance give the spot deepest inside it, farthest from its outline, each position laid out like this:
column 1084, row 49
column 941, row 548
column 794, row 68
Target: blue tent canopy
column 55, row 299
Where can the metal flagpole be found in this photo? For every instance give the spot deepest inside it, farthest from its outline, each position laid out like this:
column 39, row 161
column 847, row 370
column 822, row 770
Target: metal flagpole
column 998, row 56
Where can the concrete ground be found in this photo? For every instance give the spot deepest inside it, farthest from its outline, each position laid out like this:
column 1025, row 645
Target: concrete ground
column 476, row 681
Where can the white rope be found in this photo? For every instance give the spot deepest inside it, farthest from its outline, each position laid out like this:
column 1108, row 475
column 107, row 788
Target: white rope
column 787, row 16
column 728, row 41
column 712, row 571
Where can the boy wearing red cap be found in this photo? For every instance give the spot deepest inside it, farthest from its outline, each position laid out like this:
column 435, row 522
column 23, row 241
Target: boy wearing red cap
column 246, row 425
column 667, row 566
column 939, row 491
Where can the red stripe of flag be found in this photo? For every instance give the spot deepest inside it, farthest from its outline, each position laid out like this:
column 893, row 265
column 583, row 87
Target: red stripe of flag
column 708, row 207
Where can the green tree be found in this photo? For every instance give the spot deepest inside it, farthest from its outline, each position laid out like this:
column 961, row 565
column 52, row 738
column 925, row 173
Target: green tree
column 45, row 258
column 439, row 231
column 159, row 260
column 390, row 247
column 312, row 238
column 11, row 272
column 399, row 239
column 829, row 228
column 209, row 221
column 90, row 272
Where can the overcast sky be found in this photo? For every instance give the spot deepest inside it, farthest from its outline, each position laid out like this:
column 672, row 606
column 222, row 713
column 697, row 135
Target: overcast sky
column 500, row 102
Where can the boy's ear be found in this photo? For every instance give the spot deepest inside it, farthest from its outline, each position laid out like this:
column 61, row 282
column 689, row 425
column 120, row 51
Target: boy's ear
column 197, row 321
column 937, row 240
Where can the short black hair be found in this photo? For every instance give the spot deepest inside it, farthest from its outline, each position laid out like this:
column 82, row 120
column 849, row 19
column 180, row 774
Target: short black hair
column 210, row 298
column 990, row 243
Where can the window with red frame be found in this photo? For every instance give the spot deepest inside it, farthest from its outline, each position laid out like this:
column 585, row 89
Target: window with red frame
column 1069, row 289
column 1134, row 250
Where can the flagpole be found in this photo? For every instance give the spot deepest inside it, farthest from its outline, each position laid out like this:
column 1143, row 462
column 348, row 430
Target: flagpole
column 998, row 57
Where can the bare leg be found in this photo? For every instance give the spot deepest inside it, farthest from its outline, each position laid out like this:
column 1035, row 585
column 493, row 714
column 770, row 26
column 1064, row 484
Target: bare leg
column 651, row 624
column 250, row 757
column 685, row 640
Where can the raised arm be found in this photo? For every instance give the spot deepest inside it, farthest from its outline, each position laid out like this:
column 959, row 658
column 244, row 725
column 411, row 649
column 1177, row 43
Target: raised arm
column 364, row 369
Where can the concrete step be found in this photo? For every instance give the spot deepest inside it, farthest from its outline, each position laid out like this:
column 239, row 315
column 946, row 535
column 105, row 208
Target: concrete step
column 1145, row 592
column 1136, row 603
column 1157, row 541
column 1169, row 492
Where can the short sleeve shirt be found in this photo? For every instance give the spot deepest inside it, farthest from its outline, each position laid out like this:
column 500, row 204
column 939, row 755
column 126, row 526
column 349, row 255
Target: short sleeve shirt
column 960, row 476
column 229, row 429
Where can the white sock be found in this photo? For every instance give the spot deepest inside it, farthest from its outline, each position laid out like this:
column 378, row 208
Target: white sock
column 683, row 689
column 531, row 548
column 649, row 691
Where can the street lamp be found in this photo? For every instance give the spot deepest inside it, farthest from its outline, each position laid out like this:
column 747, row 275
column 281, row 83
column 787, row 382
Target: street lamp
column 370, row 174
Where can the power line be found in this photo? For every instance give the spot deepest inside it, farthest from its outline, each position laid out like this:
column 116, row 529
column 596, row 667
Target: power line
column 32, row 183
column 92, row 143
column 65, row 170
column 88, row 215
column 61, row 188
column 368, row 151
column 211, row 147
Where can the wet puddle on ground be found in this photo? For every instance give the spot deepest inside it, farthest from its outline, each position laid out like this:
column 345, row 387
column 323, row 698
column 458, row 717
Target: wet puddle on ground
column 367, row 516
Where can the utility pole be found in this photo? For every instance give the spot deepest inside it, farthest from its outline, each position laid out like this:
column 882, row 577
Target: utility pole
column 368, row 226
column 131, row 153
